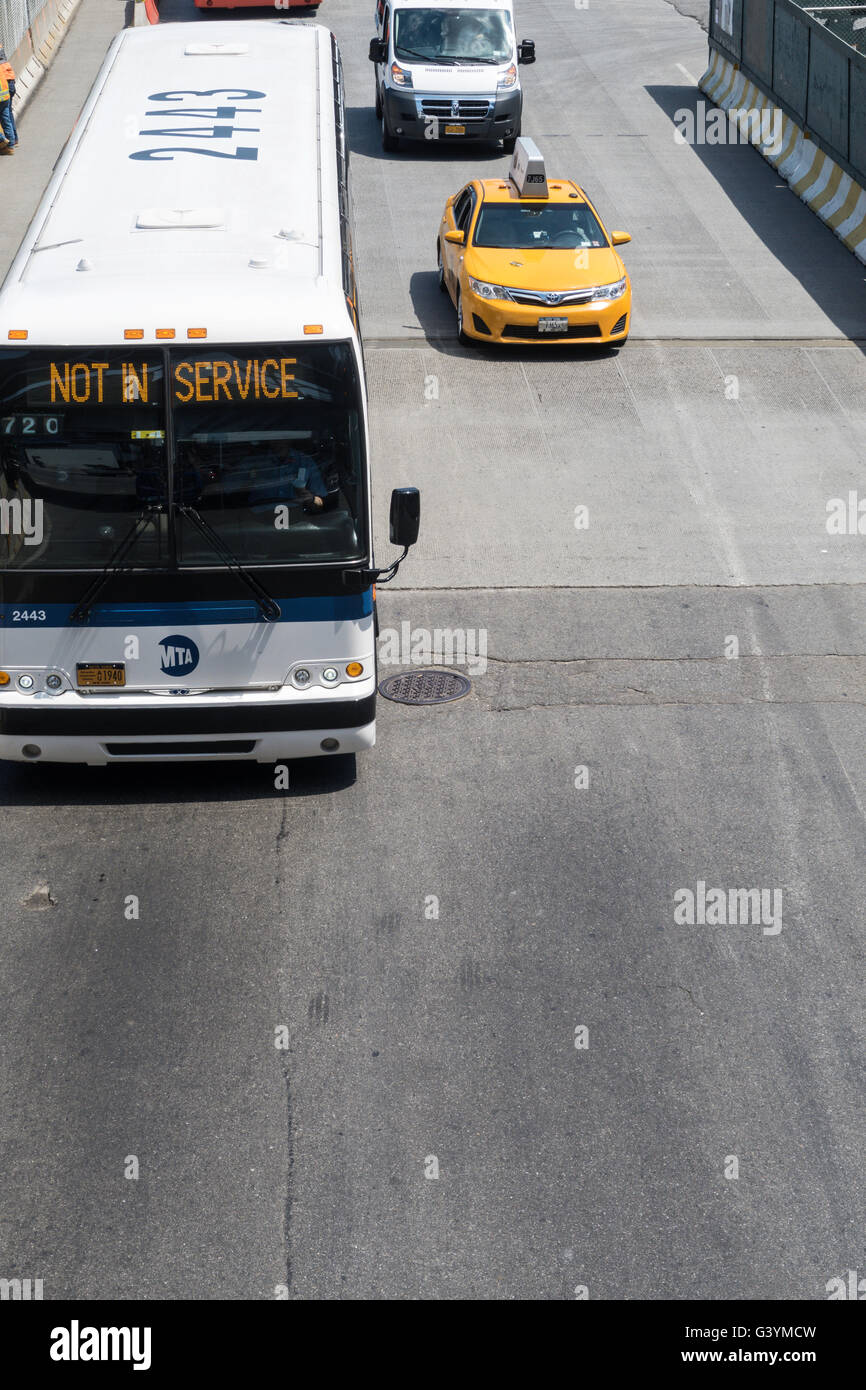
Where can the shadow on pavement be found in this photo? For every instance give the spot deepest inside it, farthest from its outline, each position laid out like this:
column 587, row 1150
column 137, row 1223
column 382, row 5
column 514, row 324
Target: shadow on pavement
column 795, row 236
column 130, row 784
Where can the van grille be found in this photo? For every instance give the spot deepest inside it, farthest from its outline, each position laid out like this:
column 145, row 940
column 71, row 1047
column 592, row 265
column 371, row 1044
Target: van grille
column 465, row 111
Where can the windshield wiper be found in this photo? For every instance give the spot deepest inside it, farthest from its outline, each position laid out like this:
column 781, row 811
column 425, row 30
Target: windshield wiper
column 269, row 610
column 113, row 565
column 401, row 52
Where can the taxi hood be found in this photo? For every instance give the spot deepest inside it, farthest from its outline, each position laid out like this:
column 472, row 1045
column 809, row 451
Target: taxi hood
column 544, row 269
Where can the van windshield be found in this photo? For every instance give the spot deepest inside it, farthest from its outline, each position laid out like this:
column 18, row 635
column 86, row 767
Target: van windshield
column 468, row 36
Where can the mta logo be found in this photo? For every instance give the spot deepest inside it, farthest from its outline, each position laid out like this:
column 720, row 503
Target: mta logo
column 180, row 655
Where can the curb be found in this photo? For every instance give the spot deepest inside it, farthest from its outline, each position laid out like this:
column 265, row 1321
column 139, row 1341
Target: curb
column 28, row 79
column 817, row 180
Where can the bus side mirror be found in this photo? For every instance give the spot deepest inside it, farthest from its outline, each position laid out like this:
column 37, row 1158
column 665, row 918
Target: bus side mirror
column 526, row 51
column 378, row 51
column 405, row 516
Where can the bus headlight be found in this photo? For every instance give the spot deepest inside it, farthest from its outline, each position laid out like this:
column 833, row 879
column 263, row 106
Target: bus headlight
column 330, row 674
column 54, row 681
column 485, row 291
column 301, row 676
column 26, row 682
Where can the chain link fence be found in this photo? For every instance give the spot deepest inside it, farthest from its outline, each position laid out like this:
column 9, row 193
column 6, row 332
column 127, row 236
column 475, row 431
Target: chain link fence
column 15, row 18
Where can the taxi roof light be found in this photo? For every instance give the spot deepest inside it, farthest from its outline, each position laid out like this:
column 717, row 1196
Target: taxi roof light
column 527, row 171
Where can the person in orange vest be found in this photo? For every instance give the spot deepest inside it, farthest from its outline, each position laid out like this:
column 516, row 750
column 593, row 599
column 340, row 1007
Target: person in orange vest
column 7, row 117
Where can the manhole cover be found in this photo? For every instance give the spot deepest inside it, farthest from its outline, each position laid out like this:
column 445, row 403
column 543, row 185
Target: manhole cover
column 424, row 687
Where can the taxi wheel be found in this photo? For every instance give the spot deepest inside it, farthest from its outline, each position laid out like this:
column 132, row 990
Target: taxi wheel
column 462, row 336
column 389, row 142
column 442, row 285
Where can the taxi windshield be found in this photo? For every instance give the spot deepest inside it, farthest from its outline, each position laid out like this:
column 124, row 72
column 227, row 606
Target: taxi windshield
column 527, row 227
column 477, row 36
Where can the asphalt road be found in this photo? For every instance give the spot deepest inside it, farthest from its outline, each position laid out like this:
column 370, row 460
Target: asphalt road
column 705, row 452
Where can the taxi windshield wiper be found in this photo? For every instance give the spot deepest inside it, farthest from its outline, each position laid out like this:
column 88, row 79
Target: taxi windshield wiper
column 113, row 565
column 269, row 610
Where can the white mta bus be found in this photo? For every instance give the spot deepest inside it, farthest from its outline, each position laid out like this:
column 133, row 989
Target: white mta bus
column 185, row 538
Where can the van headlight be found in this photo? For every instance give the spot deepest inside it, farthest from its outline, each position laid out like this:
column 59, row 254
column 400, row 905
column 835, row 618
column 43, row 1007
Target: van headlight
column 485, row 291
column 508, row 78
column 614, row 291
column 400, row 77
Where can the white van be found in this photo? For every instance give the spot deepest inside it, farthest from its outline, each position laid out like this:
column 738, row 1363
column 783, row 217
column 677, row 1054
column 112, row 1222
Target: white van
column 448, row 71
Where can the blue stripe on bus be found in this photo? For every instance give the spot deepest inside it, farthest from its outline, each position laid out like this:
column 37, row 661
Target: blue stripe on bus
column 314, row 609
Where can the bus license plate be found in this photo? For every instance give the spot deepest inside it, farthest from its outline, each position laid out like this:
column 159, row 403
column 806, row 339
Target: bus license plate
column 455, row 130
column 92, row 673
column 553, row 325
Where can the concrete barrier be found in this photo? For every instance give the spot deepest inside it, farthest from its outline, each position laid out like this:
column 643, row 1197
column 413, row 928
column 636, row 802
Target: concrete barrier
column 821, row 183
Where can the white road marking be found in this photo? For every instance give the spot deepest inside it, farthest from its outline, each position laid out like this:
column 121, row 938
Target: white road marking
column 685, row 72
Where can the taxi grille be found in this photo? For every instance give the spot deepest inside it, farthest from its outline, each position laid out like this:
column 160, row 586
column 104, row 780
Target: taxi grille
column 530, row 331
column 466, row 111
column 541, row 297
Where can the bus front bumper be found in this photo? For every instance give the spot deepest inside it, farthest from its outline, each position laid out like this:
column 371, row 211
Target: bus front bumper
column 264, row 731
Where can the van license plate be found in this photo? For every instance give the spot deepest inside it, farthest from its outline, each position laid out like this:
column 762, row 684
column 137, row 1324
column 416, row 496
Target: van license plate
column 92, row 673
column 455, row 130
column 553, row 325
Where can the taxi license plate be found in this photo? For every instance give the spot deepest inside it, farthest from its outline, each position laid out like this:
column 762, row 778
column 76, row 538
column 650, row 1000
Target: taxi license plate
column 92, row 673
column 455, row 130
column 553, row 325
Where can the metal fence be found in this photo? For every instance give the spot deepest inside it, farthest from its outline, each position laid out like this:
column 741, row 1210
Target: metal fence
column 806, row 64
column 15, row 17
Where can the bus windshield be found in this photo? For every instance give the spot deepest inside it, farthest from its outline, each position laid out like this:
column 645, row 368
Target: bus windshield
column 265, row 443
column 471, row 36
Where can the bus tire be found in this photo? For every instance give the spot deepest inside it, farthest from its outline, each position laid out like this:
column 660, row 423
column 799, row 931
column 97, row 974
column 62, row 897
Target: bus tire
column 390, row 143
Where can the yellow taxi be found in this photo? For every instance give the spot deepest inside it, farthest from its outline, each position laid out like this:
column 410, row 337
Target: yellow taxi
column 528, row 260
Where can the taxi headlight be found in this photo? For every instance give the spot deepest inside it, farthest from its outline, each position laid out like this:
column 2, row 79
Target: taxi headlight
column 400, row 77
column 509, row 77
column 614, row 291
column 485, row 291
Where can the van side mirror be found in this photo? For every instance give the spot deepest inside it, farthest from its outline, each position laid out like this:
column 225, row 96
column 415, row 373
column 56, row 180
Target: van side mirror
column 620, row 238
column 526, row 51
column 378, row 51
column 405, row 516
column 456, row 238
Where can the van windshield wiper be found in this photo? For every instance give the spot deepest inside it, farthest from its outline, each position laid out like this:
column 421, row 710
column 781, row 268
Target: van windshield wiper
column 269, row 610
column 113, row 565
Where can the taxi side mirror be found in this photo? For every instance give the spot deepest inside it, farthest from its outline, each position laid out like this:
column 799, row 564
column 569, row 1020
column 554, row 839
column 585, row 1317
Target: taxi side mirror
column 620, row 238
column 456, row 238
column 526, row 51
column 405, row 518
column 378, row 51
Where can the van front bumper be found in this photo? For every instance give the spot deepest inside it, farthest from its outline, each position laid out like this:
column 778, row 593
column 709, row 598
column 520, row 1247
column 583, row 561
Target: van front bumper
column 415, row 115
